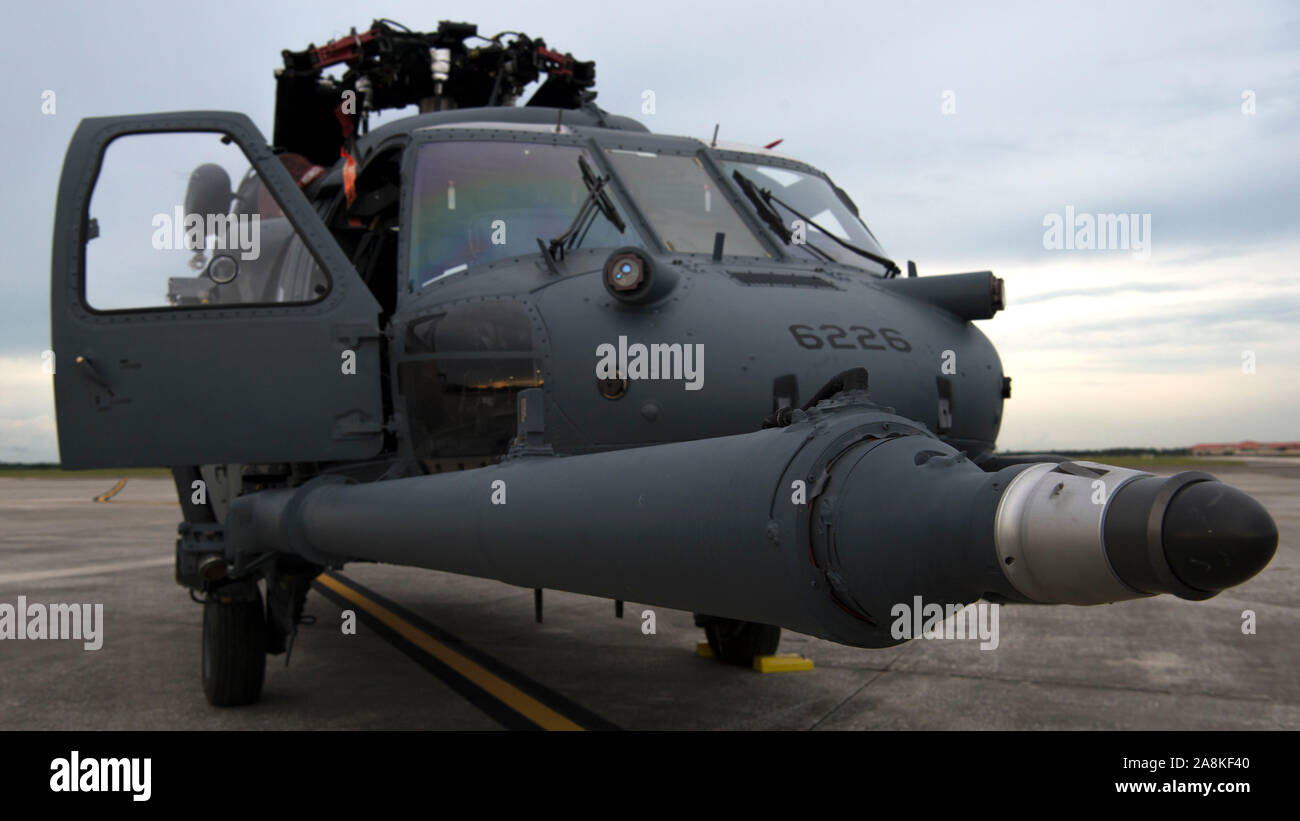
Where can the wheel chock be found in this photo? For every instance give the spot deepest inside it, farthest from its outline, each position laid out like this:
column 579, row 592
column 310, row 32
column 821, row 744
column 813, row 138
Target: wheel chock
column 782, row 663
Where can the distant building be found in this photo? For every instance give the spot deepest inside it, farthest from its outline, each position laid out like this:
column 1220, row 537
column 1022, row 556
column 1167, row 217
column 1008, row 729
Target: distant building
column 1248, row 448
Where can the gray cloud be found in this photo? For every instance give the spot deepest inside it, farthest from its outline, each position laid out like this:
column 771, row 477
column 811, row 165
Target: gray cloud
column 1131, row 287
column 1254, row 312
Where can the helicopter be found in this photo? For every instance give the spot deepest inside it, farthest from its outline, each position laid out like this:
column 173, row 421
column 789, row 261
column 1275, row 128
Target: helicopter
column 542, row 344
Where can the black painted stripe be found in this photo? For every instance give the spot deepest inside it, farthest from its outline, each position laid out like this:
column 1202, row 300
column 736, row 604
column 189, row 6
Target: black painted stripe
column 507, row 715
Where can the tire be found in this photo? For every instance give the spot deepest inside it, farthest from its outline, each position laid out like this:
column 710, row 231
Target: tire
column 234, row 650
column 737, row 642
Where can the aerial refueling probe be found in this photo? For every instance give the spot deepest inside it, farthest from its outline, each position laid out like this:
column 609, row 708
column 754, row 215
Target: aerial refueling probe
column 715, row 525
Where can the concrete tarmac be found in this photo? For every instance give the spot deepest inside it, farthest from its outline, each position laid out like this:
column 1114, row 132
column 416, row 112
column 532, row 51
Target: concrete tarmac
column 1158, row 663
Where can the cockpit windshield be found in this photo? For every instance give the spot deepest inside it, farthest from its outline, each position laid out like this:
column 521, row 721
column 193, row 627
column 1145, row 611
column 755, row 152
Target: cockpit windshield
column 476, row 202
column 480, row 201
column 680, row 200
column 796, row 192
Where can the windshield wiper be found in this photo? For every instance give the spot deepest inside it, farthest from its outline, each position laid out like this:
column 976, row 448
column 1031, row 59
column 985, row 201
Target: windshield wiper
column 767, row 197
column 765, row 211
column 597, row 201
column 768, row 214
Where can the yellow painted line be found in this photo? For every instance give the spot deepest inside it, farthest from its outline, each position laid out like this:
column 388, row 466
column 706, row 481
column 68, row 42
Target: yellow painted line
column 109, row 494
column 502, row 690
column 782, row 663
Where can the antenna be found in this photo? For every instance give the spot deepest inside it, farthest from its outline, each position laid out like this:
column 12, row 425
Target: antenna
column 714, row 144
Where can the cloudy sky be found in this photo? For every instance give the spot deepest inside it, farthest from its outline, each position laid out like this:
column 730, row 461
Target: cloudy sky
column 958, row 130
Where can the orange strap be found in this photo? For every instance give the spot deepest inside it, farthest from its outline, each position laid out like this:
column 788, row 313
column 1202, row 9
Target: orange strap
column 349, row 182
column 349, row 176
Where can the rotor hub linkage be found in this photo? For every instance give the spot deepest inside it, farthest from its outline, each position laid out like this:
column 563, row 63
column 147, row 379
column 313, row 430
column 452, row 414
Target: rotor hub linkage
column 390, row 66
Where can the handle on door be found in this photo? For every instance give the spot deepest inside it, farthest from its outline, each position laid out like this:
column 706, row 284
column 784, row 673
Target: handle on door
column 88, row 368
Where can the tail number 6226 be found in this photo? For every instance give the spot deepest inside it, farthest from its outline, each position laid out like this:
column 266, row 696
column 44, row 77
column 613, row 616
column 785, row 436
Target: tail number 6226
column 855, row 337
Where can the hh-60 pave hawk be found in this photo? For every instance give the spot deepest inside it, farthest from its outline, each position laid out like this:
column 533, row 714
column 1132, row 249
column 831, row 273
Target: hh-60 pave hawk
column 475, row 340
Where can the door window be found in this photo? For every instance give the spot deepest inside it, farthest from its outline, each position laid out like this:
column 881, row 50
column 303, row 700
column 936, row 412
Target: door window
column 179, row 220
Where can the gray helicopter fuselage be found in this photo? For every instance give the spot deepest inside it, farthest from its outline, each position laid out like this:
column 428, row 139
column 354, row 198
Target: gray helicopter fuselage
column 760, row 332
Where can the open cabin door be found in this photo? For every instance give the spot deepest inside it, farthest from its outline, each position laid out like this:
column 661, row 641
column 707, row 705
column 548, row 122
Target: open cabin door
column 201, row 312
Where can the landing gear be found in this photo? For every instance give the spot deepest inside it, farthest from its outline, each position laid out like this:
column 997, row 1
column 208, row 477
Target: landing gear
column 287, row 583
column 234, row 645
column 737, row 642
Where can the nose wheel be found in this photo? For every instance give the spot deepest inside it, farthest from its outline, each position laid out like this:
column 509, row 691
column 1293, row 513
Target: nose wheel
column 234, row 645
column 738, row 642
